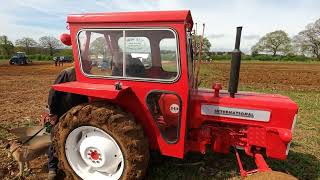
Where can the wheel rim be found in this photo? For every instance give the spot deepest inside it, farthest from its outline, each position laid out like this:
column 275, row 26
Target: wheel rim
column 94, row 154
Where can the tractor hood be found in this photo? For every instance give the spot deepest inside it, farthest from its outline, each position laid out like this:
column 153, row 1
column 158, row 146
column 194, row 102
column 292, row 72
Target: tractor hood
column 260, row 109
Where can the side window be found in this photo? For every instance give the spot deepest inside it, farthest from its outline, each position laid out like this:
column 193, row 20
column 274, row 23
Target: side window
column 166, row 111
column 99, row 53
column 129, row 53
column 168, row 54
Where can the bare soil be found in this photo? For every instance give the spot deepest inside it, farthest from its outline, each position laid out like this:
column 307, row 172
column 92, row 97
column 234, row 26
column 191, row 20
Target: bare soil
column 266, row 75
column 23, row 97
column 270, row 176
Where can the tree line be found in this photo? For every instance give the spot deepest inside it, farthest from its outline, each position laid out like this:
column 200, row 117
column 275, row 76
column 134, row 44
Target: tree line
column 306, row 42
column 276, row 44
column 46, row 45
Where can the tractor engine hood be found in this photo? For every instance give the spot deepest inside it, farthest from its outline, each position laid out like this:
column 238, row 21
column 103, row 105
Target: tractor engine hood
column 247, row 108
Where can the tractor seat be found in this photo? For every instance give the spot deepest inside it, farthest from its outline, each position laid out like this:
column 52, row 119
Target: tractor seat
column 134, row 68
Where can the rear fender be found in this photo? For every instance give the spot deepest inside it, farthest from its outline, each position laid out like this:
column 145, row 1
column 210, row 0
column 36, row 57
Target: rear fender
column 124, row 98
column 92, row 90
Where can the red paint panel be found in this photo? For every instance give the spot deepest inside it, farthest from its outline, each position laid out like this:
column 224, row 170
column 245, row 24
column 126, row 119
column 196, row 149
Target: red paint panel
column 94, row 90
column 125, row 17
column 282, row 108
column 257, row 136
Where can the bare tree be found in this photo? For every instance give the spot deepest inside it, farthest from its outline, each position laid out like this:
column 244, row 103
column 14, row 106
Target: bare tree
column 273, row 42
column 308, row 40
column 98, row 46
column 6, row 46
column 206, row 45
column 50, row 43
column 26, row 43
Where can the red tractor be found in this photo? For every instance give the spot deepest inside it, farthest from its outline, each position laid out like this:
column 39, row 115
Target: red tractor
column 137, row 68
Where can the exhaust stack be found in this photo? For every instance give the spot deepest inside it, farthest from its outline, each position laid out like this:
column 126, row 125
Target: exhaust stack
column 235, row 65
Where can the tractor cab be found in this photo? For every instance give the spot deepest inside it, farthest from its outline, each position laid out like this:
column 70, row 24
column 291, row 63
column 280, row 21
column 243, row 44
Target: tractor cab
column 21, row 54
column 140, row 61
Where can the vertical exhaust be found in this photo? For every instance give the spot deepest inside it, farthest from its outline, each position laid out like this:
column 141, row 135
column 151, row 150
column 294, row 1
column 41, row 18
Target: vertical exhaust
column 235, row 65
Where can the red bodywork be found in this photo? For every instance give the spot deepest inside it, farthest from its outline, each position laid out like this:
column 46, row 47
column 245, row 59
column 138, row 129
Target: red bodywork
column 197, row 129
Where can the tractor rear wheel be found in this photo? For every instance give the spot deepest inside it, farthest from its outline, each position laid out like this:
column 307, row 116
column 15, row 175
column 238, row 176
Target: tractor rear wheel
column 99, row 141
column 270, row 175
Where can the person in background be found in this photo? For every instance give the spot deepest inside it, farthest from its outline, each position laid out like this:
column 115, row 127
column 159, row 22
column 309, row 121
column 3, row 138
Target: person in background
column 56, row 59
column 61, row 60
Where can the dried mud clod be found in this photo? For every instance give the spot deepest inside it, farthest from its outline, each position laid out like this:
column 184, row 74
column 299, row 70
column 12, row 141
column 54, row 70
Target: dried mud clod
column 4, row 172
column 272, row 175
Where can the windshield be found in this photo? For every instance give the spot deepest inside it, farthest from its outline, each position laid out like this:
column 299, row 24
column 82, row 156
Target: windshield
column 21, row 54
column 130, row 53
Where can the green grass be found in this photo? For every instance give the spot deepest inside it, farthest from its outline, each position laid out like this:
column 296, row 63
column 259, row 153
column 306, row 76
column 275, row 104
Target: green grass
column 304, row 159
column 169, row 66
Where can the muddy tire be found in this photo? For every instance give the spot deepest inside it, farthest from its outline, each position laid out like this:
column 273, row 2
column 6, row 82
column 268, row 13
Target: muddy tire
column 116, row 125
column 272, row 175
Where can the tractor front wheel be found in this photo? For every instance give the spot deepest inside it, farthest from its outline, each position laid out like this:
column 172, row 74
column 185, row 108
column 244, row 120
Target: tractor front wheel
column 99, row 141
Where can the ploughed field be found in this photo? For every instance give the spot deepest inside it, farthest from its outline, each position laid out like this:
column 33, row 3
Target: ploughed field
column 23, row 97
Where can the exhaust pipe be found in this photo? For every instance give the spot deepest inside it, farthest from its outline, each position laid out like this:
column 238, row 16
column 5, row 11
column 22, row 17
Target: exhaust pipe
column 235, row 65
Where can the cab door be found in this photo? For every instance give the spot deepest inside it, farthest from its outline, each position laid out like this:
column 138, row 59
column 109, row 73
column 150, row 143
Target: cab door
column 168, row 102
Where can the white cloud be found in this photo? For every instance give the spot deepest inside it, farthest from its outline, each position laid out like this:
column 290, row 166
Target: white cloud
column 215, row 36
column 251, row 37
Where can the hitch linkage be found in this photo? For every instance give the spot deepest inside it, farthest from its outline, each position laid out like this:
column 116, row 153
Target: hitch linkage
column 261, row 164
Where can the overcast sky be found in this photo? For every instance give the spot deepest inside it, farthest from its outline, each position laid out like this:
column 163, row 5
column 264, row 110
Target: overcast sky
column 36, row 18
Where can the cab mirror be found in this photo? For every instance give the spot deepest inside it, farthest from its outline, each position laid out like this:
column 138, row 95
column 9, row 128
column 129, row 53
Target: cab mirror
column 65, row 39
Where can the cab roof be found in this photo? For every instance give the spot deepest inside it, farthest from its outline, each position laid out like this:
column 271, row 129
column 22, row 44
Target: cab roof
column 123, row 17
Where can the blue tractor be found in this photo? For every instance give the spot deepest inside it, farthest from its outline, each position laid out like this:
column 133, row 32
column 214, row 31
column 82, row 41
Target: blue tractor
column 19, row 58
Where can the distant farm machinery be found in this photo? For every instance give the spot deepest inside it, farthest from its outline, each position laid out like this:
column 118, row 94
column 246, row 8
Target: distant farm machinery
column 20, row 58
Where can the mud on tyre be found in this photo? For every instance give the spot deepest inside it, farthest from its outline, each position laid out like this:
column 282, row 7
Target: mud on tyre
column 110, row 124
